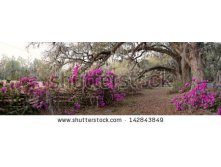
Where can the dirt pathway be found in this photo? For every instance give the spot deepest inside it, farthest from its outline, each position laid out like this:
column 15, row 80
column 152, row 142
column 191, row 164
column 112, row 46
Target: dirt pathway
column 150, row 102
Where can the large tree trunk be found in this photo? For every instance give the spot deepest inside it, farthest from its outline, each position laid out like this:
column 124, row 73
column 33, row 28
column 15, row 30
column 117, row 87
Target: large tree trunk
column 185, row 67
column 191, row 62
column 195, row 62
column 186, row 71
column 178, row 71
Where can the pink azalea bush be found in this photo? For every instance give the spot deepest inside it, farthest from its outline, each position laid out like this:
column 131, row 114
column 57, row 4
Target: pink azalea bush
column 103, row 83
column 74, row 77
column 199, row 97
column 97, row 83
column 4, row 90
column 29, row 87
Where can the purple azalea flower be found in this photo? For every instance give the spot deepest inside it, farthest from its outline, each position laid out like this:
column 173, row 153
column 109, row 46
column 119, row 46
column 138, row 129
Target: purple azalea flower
column 101, row 104
column 187, row 84
column 219, row 111
column 74, row 77
column 77, row 105
column 12, row 85
column 198, row 97
column 4, row 89
column 118, row 97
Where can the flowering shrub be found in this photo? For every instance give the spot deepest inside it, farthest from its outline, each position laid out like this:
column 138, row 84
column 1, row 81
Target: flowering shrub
column 199, row 97
column 30, row 87
column 73, row 109
column 12, row 102
column 219, row 111
column 27, row 90
column 96, row 84
column 4, row 90
column 101, row 83
column 40, row 98
column 74, row 77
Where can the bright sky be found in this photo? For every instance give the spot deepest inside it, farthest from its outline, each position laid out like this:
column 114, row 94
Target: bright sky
column 17, row 49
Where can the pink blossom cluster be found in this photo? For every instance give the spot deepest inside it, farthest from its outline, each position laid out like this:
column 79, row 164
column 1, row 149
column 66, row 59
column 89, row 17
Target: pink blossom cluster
column 4, row 89
column 185, row 88
column 107, row 84
column 93, row 77
column 219, row 111
column 27, row 85
column 30, row 87
column 74, row 76
column 199, row 97
column 104, row 83
column 119, row 96
column 40, row 98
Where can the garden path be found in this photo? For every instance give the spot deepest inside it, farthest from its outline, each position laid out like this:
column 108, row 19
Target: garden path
column 155, row 101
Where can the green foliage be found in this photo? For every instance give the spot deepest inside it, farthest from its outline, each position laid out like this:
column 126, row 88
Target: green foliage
column 159, row 60
column 40, row 69
column 120, row 67
column 212, row 59
column 177, row 85
column 13, row 69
